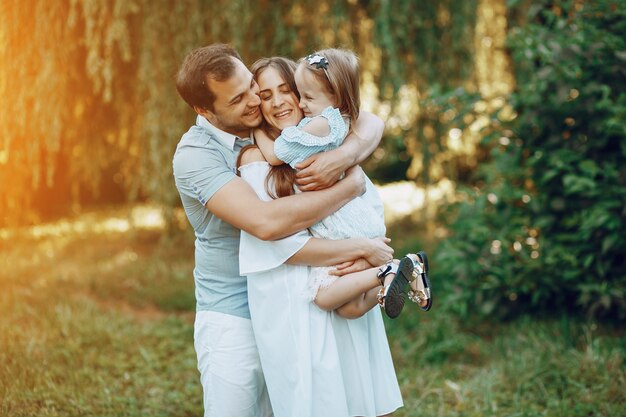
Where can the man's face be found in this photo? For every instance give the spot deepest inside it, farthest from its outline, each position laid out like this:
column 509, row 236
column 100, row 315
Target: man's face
column 236, row 107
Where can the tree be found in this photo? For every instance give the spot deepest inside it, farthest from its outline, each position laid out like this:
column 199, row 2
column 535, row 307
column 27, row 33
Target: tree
column 545, row 227
column 93, row 114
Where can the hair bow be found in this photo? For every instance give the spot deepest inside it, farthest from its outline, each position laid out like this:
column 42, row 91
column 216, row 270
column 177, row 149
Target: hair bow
column 317, row 60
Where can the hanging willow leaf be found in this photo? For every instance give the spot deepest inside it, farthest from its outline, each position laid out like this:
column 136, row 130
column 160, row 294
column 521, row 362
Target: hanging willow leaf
column 90, row 113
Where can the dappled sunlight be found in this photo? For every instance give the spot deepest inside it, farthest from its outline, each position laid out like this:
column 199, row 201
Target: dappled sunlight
column 401, row 199
column 120, row 259
column 503, row 129
column 404, row 198
column 143, row 217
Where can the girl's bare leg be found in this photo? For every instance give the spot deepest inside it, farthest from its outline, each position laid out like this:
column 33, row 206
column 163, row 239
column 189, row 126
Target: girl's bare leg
column 352, row 295
column 360, row 305
column 347, row 288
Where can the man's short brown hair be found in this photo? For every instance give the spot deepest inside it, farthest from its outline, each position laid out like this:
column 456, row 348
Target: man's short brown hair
column 213, row 61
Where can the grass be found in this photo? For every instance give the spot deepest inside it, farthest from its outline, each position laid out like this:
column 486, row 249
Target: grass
column 99, row 322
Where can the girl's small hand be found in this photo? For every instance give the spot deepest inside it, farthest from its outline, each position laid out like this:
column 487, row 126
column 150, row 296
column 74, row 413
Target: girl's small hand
column 350, row 267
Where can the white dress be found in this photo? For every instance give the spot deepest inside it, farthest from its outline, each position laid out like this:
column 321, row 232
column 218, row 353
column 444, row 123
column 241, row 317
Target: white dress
column 316, row 364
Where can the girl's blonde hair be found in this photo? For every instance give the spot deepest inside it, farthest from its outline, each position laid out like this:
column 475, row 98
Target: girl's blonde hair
column 340, row 77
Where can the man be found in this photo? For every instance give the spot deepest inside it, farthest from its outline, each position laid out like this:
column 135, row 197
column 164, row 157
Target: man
column 217, row 85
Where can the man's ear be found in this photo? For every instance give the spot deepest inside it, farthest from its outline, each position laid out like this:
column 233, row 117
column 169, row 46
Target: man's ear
column 207, row 114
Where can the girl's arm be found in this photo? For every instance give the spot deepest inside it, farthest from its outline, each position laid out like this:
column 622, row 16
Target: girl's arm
column 324, row 169
column 266, row 145
column 293, row 144
column 318, row 127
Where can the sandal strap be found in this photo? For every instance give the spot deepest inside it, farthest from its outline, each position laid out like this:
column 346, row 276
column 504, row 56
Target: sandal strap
column 388, row 268
column 380, row 297
column 418, row 267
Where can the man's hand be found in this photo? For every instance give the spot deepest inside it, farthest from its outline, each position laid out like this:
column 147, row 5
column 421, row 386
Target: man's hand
column 321, row 170
column 350, row 267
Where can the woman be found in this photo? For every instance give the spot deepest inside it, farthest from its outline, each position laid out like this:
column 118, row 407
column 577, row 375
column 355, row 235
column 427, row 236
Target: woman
column 315, row 362
column 328, row 81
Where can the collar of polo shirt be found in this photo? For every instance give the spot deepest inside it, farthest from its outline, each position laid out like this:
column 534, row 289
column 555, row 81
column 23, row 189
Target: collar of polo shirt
column 226, row 138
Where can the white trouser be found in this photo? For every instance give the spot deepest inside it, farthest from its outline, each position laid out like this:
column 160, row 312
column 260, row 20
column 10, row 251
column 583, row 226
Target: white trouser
column 230, row 368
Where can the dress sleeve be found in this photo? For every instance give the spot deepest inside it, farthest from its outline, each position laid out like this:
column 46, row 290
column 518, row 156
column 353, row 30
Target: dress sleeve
column 294, row 145
column 254, row 174
column 256, row 255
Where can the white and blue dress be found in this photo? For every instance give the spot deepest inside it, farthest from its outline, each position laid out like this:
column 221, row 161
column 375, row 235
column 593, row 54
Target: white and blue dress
column 360, row 217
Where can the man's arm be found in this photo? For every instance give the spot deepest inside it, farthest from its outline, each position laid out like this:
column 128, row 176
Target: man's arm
column 324, row 169
column 237, row 203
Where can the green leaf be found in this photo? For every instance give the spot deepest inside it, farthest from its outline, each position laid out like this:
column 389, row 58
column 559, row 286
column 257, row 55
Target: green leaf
column 574, row 184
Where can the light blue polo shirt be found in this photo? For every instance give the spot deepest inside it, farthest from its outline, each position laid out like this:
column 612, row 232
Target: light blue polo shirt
column 205, row 161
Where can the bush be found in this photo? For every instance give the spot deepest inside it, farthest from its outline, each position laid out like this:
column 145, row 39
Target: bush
column 547, row 229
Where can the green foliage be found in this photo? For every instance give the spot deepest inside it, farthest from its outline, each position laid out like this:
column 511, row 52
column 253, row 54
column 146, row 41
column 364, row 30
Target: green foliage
column 424, row 46
column 424, row 42
column 545, row 227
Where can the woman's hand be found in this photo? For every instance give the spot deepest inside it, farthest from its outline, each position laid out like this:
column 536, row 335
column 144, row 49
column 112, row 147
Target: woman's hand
column 321, row 170
column 377, row 251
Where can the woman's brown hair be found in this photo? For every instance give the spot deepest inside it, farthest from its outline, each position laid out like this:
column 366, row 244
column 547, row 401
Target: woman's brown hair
column 281, row 178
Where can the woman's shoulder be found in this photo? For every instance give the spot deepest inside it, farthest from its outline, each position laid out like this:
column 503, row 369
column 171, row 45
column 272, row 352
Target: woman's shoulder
column 250, row 154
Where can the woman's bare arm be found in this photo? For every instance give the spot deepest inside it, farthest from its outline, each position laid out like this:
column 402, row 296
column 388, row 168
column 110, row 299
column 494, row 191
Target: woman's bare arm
column 266, row 145
column 325, row 252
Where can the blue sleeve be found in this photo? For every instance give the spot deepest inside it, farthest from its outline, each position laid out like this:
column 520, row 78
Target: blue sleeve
column 294, row 145
column 200, row 172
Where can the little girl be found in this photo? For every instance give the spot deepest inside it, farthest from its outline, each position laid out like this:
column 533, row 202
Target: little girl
column 328, row 84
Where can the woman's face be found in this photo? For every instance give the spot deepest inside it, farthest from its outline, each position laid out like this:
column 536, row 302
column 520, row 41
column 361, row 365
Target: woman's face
column 279, row 104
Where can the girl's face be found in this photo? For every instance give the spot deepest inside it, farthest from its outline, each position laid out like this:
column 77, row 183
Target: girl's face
column 313, row 95
column 279, row 104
